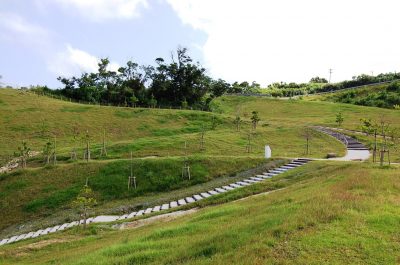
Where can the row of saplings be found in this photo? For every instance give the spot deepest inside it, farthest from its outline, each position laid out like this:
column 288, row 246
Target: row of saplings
column 50, row 147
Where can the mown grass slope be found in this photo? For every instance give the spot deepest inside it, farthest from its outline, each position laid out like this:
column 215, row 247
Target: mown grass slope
column 31, row 194
column 332, row 213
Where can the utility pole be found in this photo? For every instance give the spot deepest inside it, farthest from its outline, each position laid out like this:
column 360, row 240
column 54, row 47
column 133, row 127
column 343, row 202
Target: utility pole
column 330, row 74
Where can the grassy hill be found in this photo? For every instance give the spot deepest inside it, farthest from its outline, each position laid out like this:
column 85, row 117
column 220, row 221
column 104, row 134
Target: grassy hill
column 42, row 195
column 332, row 213
column 39, row 196
column 381, row 95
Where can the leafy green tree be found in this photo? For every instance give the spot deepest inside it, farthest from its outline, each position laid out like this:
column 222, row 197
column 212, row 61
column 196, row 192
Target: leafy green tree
column 184, row 104
column 152, row 102
column 134, row 100
column 318, row 80
column 255, row 119
column 84, row 202
column 339, row 118
column 23, row 153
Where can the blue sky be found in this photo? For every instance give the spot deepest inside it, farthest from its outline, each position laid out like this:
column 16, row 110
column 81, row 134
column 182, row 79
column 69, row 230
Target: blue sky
column 237, row 40
column 32, row 56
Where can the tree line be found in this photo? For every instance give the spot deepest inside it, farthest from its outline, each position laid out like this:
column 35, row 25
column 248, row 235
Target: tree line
column 180, row 82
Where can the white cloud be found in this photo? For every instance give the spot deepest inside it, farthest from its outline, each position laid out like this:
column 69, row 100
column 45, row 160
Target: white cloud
column 72, row 61
column 99, row 10
column 291, row 40
column 15, row 28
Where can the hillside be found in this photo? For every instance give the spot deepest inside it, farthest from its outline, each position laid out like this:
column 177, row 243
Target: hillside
column 42, row 195
column 156, row 139
column 382, row 96
column 333, row 213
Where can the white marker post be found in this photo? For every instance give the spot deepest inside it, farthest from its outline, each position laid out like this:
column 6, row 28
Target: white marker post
column 268, row 152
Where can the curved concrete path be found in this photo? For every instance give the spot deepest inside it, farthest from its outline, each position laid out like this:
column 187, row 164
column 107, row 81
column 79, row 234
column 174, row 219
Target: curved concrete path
column 356, row 151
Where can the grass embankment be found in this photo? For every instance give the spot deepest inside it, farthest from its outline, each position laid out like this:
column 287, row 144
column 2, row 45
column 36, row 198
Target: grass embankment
column 333, row 213
column 147, row 132
column 34, row 194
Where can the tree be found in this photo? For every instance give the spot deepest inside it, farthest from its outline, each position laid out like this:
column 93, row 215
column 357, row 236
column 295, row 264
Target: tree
column 308, row 134
column 219, row 87
column 371, row 128
column 133, row 100
column 86, row 155
column 23, row 153
column 184, row 104
column 255, row 119
column 237, row 122
column 84, row 202
column 318, row 80
column 152, row 102
column 47, row 150
column 75, row 135
column 339, row 118
column 384, row 127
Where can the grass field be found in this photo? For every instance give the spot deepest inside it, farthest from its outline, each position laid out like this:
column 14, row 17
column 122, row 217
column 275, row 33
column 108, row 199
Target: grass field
column 49, row 192
column 330, row 213
column 311, row 219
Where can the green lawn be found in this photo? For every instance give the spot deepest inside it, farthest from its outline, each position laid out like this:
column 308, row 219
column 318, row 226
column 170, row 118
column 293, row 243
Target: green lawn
column 328, row 213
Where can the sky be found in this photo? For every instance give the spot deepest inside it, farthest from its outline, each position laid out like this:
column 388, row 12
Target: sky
column 237, row 40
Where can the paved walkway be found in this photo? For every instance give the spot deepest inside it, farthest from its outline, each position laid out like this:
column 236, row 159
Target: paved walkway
column 356, row 151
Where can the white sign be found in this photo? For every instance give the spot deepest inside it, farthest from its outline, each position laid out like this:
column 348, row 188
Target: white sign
column 268, row 152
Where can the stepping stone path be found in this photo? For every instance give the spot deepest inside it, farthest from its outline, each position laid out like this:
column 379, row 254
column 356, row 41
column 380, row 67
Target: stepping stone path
column 191, row 199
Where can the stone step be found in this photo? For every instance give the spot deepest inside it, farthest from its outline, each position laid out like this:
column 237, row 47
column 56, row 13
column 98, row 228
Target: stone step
column 241, row 183
column 197, row 197
column 275, row 171
column 165, row 206
column 250, row 181
column 205, row 195
column 181, row 202
column 131, row 215
column 228, row 188
column 190, row 200
column 20, row 237
column 12, row 239
column 234, row 185
column 140, row 213
column 29, row 235
column 148, row 210
column 4, row 241
column 173, row 204
column 220, row 190
column 213, row 192
column 157, row 208
column 54, row 229
column 256, row 178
